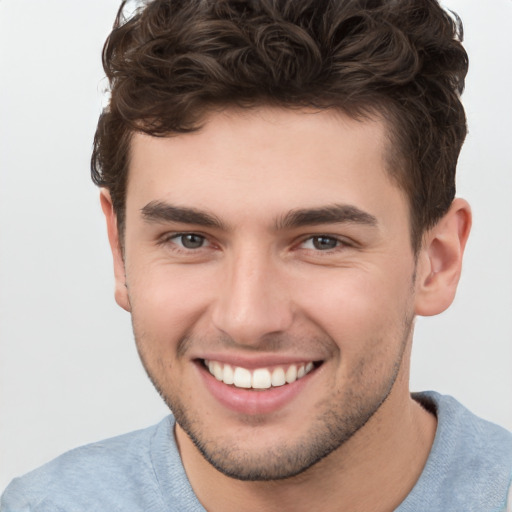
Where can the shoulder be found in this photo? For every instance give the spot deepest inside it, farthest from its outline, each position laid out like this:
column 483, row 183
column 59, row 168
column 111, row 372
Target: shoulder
column 465, row 435
column 470, row 464
column 100, row 476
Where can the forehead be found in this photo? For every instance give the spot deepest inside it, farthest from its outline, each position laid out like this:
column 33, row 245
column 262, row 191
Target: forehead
column 265, row 161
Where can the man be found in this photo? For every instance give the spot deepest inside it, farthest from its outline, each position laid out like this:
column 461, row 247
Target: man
column 278, row 183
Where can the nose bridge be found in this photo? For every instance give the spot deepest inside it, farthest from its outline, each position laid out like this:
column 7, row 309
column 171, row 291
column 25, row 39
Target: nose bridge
column 252, row 300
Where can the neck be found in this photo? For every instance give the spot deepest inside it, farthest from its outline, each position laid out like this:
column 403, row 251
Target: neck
column 373, row 471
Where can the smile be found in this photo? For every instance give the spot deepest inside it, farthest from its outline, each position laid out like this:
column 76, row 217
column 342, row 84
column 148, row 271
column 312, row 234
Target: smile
column 258, row 378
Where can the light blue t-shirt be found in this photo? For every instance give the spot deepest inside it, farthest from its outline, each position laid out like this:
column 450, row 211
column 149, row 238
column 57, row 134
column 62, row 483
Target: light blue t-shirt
column 469, row 470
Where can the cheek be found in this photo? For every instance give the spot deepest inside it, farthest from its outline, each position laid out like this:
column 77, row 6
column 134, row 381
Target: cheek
column 357, row 308
column 166, row 301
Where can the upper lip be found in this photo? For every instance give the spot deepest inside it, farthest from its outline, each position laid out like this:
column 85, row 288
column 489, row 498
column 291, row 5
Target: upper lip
column 259, row 361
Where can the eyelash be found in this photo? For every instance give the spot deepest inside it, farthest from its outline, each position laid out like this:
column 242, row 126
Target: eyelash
column 339, row 243
column 172, row 237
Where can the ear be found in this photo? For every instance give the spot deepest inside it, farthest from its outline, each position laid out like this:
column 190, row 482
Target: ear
column 440, row 260
column 121, row 291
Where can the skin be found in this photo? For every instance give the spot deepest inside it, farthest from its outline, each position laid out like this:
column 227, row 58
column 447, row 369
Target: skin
column 256, row 286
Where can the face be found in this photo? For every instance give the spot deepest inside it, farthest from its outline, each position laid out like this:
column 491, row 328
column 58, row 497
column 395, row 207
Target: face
column 270, row 278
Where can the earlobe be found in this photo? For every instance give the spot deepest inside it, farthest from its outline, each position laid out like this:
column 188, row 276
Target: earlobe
column 440, row 260
column 121, row 292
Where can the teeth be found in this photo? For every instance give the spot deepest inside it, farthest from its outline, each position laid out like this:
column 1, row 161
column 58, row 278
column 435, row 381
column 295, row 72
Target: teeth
column 218, row 371
column 242, row 378
column 278, row 377
column 291, row 374
column 260, row 378
column 229, row 375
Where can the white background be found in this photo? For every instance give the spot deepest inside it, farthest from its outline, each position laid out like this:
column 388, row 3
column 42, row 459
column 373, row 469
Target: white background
column 69, row 372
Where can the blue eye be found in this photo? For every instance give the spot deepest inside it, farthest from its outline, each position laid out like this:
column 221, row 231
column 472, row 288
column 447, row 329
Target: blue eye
column 321, row 243
column 190, row 240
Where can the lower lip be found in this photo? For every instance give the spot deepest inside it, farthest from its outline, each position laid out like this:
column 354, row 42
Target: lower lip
column 253, row 401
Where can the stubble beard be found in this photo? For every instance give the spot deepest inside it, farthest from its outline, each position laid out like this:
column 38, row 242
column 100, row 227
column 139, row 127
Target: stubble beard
column 340, row 416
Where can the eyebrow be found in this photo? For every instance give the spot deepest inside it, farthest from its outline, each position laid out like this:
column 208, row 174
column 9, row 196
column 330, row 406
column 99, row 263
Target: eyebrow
column 158, row 211
column 335, row 214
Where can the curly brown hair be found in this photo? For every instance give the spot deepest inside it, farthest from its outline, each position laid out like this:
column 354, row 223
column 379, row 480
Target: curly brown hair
column 401, row 60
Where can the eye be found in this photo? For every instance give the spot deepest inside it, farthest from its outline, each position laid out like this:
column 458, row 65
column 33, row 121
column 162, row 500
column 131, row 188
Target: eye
column 321, row 243
column 189, row 240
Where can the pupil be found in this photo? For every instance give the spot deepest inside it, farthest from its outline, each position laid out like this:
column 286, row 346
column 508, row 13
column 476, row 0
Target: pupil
column 324, row 242
column 192, row 241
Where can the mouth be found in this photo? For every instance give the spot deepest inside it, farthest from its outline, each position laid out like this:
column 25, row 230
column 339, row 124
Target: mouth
column 258, row 388
column 259, row 378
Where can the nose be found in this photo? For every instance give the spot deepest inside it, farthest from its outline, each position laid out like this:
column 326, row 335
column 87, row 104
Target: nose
column 253, row 300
